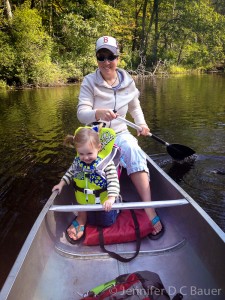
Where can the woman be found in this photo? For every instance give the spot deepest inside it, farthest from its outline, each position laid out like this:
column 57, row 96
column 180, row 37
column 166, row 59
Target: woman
column 107, row 93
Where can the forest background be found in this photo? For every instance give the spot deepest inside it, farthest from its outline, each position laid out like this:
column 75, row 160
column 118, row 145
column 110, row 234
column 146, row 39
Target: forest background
column 52, row 42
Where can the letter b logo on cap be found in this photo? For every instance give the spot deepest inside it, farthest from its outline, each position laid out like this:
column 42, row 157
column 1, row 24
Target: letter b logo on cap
column 105, row 39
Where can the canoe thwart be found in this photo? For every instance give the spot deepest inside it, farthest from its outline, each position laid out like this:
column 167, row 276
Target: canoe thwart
column 121, row 206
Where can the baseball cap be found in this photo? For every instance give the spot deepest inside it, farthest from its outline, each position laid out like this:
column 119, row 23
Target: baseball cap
column 107, row 42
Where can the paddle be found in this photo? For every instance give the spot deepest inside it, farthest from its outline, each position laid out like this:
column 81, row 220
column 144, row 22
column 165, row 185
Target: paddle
column 176, row 151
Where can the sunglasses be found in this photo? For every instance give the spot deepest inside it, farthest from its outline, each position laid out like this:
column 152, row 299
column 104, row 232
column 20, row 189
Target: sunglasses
column 104, row 58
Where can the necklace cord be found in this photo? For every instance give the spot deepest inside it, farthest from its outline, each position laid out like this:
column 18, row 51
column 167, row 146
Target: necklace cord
column 113, row 81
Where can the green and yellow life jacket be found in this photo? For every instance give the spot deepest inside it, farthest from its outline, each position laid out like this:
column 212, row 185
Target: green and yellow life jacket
column 89, row 180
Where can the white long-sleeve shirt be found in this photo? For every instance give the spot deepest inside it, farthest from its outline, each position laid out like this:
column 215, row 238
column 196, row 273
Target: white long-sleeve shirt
column 95, row 93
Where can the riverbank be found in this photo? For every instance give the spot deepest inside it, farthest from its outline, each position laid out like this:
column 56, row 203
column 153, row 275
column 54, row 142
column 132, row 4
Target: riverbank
column 160, row 70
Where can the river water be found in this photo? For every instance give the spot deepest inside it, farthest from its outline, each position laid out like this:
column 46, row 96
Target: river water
column 188, row 110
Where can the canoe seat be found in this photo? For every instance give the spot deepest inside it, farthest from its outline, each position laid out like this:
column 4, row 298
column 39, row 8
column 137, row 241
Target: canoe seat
column 125, row 249
column 170, row 241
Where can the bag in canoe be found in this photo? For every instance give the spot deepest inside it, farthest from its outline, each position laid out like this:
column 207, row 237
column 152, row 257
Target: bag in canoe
column 131, row 225
column 141, row 285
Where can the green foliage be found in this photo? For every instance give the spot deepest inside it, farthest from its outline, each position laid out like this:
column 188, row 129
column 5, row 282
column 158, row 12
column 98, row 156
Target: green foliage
column 194, row 35
column 32, row 46
column 52, row 42
column 71, row 71
column 78, row 31
column 45, row 73
column 3, row 84
column 25, row 56
column 174, row 69
column 7, row 57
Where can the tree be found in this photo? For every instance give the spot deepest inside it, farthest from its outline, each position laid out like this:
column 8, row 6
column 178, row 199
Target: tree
column 32, row 47
column 49, row 39
column 7, row 57
column 8, row 10
column 77, row 30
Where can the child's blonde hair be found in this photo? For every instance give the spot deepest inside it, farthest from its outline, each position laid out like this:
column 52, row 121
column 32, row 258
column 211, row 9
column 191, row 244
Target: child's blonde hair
column 83, row 135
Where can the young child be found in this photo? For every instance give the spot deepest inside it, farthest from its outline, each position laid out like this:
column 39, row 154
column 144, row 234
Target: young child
column 91, row 185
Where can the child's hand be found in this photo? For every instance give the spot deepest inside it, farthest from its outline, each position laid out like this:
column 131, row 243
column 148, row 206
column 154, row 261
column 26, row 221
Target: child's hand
column 59, row 186
column 108, row 203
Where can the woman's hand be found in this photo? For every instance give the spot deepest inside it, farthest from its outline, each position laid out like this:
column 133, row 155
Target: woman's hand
column 105, row 115
column 108, row 203
column 145, row 130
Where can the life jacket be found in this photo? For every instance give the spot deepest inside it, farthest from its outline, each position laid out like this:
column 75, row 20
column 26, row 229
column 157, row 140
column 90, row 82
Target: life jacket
column 89, row 180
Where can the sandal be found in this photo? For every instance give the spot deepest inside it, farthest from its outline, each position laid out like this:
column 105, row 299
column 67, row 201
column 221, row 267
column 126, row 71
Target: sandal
column 79, row 228
column 160, row 233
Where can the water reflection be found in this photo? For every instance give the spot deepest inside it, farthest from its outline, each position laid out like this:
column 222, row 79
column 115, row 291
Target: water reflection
column 33, row 124
column 203, row 178
column 178, row 170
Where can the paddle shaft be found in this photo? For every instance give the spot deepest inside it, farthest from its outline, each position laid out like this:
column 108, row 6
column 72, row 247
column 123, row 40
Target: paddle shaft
column 140, row 129
column 120, row 206
column 176, row 151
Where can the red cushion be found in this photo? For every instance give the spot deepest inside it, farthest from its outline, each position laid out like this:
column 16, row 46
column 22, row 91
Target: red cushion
column 121, row 231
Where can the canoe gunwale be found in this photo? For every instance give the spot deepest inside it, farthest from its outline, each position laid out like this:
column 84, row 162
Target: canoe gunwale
column 196, row 206
column 25, row 249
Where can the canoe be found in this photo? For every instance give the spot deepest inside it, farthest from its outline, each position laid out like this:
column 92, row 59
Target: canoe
column 189, row 257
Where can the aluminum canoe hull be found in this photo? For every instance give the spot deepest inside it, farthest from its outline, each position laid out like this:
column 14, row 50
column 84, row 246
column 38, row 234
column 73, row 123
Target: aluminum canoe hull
column 189, row 258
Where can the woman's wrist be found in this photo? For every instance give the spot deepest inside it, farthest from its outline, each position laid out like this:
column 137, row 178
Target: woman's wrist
column 97, row 117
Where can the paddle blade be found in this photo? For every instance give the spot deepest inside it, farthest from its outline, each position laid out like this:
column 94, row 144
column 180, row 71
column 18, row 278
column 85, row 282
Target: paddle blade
column 179, row 152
